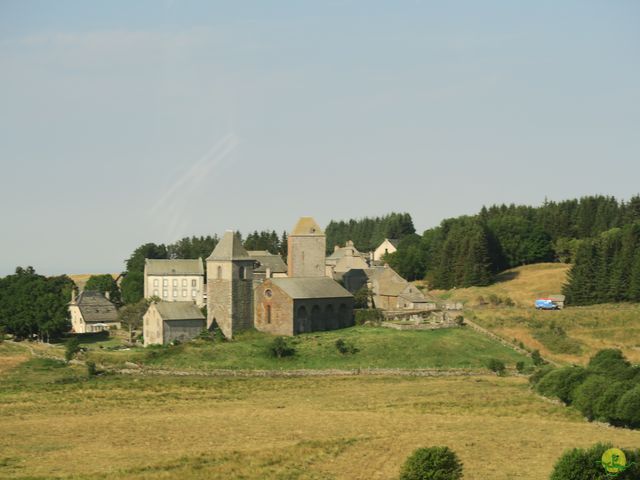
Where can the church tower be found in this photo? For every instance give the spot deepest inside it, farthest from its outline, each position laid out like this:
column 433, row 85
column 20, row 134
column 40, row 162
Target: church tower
column 230, row 286
column 306, row 249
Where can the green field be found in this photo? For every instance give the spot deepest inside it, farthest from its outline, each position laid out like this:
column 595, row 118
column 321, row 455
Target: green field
column 377, row 348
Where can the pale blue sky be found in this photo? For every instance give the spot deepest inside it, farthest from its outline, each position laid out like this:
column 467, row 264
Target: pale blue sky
column 128, row 122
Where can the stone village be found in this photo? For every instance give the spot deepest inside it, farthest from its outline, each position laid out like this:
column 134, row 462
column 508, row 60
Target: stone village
column 256, row 289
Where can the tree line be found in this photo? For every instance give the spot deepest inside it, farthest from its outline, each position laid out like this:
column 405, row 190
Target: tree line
column 369, row 232
column 469, row 250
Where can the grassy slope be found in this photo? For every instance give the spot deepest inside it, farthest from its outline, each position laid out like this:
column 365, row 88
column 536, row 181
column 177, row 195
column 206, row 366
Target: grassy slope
column 378, row 348
column 261, row 428
column 588, row 329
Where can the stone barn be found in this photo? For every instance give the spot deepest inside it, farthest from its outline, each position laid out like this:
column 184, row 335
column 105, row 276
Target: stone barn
column 165, row 322
column 289, row 306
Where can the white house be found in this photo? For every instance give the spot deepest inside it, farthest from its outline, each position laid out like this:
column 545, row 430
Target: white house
column 387, row 246
column 175, row 280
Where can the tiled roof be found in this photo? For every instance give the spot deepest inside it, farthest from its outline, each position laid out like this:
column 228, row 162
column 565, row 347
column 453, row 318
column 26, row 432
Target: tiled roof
column 311, row 287
column 174, row 267
column 268, row 260
column 95, row 308
column 229, row 248
column 178, row 311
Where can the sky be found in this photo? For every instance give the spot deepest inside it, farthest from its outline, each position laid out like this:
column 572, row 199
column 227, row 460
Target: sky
column 126, row 122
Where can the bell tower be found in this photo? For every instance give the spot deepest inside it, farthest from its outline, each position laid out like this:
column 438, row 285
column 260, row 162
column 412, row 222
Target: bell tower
column 230, row 286
column 306, row 249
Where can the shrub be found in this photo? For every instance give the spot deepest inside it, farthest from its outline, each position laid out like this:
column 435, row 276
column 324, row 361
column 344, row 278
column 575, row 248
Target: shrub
column 537, row 358
column 520, row 366
column 628, row 407
column 206, row 335
column 579, row 464
column 280, row 347
column 434, row 463
column 459, row 320
column 345, row 347
column 508, row 301
column 494, row 299
column 540, row 373
column 92, row 371
column 588, row 393
column 373, row 315
column 612, row 363
column 496, row 365
column 606, row 406
column 2, row 333
column 72, row 347
column 562, row 382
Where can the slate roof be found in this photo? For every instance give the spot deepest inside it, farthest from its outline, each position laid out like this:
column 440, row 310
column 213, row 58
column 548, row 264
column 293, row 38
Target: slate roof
column 174, row 267
column 178, row 311
column 341, row 252
column 307, row 226
column 229, row 248
column 95, row 308
column 268, row 260
column 311, row 287
column 386, row 281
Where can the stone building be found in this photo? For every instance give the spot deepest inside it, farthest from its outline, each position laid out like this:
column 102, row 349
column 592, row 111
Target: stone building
column 165, row 322
column 288, row 306
column 389, row 290
column 267, row 265
column 92, row 312
column 306, row 249
column 344, row 259
column 175, row 280
column 230, row 285
column 240, row 296
column 389, row 245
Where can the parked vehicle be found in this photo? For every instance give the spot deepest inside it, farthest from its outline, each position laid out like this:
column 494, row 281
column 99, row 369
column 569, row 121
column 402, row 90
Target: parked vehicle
column 546, row 304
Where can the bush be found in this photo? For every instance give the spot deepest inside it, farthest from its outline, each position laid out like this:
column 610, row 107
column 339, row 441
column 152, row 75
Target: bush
column 537, row 358
column 508, row 301
column 2, row 333
column 459, row 320
column 520, row 366
column 92, row 370
column 434, row 463
column 562, row 382
column 280, row 348
column 588, row 393
column 496, row 365
column 206, row 335
column 373, row 315
column 606, row 406
column 579, row 464
column 72, row 347
column 540, row 373
column 628, row 407
column 612, row 363
column 345, row 347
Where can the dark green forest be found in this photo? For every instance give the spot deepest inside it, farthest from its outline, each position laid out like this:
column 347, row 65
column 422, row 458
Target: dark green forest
column 368, row 233
column 469, row 250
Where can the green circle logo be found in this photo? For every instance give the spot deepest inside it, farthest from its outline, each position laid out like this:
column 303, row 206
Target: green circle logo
column 614, row 461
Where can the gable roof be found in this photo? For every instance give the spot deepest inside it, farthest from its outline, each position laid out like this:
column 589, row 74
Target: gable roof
column 392, row 241
column 311, row 287
column 173, row 267
column 268, row 260
column 341, row 252
column 385, row 281
column 95, row 308
column 307, row 226
column 178, row 311
column 229, row 248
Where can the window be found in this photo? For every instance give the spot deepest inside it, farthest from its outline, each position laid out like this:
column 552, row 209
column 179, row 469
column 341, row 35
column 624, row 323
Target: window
column 175, row 293
column 241, row 273
column 184, row 282
column 194, row 293
column 165, row 294
column 165, row 282
column 268, row 313
column 155, row 293
column 184, row 293
column 155, row 282
column 175, row 282
column 219, row 272
column 268, row 293
column 193, row 283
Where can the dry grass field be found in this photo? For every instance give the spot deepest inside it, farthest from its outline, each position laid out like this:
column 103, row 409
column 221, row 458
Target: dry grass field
column 587, row 329
column 81, row 279
column 57, row 424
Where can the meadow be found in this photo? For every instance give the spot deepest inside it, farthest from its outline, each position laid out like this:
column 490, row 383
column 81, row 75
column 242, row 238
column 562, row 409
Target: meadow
column 59, row 424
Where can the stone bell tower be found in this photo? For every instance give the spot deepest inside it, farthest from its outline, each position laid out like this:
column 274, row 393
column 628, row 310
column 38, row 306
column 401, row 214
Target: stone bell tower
column 306, row 249
column 230, row 286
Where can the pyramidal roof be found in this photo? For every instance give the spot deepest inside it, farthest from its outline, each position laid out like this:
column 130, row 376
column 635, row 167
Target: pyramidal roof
column 307, row 226
column 229, row 248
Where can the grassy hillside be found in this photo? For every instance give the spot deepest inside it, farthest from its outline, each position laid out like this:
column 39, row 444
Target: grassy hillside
column 572, row 335
column 523, row 285
column 81, row 279
column 263, row 428
column 377, row 348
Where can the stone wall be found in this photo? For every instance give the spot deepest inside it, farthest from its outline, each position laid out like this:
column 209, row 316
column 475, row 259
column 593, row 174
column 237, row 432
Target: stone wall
column 274, row 310
column 182, row 330
column 306, row 256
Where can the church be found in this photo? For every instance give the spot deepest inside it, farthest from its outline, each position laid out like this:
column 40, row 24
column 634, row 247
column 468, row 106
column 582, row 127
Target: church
column 304, row 301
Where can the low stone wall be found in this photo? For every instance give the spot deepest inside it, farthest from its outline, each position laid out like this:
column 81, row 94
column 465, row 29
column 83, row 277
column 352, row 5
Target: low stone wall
column 418, row 326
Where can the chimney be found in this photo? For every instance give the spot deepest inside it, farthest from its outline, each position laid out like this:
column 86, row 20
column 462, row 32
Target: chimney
column 268, row 273
column 107, row 295
column 349, row 243
column 336, row 248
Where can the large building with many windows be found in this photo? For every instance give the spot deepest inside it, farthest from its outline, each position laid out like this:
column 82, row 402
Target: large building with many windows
column 175, row 280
